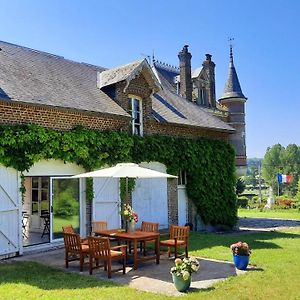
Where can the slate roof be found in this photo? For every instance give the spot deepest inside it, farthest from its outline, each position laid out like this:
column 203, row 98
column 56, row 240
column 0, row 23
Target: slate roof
column 117, row 74
column 232, row 87
column 169, row 107
column 166, row 72
column 31, row 76
column 127, row 73
column 36, row 77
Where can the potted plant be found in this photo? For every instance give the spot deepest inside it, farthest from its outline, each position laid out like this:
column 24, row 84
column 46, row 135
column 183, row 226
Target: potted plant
column 241, row 253
column 130, row 218
column 182, row 272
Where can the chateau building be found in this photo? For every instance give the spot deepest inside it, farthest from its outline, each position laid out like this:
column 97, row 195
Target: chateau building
column 199, row 87
column 139, row 98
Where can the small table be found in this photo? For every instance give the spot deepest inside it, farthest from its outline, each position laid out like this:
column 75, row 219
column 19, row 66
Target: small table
column 135, row 238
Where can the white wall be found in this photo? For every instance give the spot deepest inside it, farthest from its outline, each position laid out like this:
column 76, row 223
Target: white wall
column 54, row 167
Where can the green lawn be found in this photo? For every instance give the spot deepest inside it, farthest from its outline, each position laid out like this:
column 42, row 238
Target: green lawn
column 59, row 222
column 290, row 214
column 276, row 255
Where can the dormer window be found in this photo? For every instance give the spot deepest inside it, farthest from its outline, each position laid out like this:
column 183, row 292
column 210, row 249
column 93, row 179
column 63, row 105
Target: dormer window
column 136, row 114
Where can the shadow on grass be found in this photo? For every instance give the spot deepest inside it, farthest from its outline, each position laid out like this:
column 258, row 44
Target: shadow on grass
column 47, row 278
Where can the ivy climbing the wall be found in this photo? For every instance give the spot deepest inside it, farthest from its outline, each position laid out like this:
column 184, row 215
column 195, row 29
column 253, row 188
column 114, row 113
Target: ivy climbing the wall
column 209, row 164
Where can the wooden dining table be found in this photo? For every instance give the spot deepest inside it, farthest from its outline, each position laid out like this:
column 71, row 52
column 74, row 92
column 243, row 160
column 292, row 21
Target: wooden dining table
column 135, row 237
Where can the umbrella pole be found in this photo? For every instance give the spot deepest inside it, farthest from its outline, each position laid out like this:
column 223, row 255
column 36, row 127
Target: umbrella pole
column 126, row 190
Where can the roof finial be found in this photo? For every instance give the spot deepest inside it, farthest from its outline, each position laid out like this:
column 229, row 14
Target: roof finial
column 230, row 40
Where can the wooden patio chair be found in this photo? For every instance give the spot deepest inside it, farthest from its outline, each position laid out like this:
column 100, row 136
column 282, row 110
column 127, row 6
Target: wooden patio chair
column 69, row 229
column 75, row 249
column 98, row 226
column 100, row 250
column 148, row 227
column 178, row 237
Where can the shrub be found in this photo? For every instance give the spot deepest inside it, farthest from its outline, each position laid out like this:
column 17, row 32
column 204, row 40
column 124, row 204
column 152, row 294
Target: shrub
column 242, row 201
column 284, row 203
column 65, row 205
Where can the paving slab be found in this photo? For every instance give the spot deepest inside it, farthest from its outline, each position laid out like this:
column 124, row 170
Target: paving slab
column 149, row 276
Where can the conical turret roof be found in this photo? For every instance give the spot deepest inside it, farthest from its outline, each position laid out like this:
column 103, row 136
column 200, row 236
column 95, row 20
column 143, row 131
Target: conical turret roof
column 232, row 87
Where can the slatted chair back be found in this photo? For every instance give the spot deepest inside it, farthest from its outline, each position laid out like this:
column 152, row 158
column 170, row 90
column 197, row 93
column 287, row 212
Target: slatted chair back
column 179, row 232
column 74, row 249
column 68, row 229
column 72, row 243
column 99, row 250
column 149, row 226
column 99, row 247
column 99, row 225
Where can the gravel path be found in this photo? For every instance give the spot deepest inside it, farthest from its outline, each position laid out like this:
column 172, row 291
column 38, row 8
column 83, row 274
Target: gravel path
column 265, row 224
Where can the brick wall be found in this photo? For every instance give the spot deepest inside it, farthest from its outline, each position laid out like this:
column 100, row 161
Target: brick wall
column 60, row 119
column 138, row 87
column 153, row 127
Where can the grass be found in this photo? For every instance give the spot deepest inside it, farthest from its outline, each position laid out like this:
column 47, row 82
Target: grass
column 276, row 255
column 62, row 221
column 289, row 214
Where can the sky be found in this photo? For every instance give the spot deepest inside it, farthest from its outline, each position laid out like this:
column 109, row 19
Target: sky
column 111, row 33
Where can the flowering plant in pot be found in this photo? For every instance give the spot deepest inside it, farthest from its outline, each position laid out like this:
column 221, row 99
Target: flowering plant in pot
column 241, row 253
column 182, row 272
column 130, row 217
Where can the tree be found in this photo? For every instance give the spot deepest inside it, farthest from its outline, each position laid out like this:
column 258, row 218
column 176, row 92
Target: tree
column 285, row 161
column 240, row 186
column 298, row 196
column 291, row 165
column 272, row 165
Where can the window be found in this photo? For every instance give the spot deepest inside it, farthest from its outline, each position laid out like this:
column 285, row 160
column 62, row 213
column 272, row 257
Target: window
column 137, row 115
column 182, row 178
column 40, row 195
column 203, row 96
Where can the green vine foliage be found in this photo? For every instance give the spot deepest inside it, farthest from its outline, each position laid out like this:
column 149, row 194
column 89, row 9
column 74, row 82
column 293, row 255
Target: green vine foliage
column 209, row 163
column 131, row 186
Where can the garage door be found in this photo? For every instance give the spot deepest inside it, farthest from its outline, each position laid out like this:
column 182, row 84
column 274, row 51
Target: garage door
column 10, row 225
column 106, row 201
column 150, row 197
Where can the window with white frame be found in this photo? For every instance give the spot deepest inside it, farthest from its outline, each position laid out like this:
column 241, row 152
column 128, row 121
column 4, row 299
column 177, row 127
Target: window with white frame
column 137, row 115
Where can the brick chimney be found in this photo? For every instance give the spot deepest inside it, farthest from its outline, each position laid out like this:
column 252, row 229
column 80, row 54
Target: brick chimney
column 186, row 87
column 209, row 67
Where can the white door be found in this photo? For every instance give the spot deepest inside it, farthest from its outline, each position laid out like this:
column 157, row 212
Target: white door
column 10, row 214
column 150, row 201
column 106, row 204
column 182, row 205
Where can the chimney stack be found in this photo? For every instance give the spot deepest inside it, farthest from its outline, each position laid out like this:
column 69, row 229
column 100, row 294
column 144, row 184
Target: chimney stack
column 209, row 67
column 186, row 87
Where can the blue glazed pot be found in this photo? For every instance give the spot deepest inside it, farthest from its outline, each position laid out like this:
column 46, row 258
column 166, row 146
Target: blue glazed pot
column 181, row 284
column 241, row 261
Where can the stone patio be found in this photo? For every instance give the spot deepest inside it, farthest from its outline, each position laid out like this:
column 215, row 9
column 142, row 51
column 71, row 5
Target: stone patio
column 149, row 276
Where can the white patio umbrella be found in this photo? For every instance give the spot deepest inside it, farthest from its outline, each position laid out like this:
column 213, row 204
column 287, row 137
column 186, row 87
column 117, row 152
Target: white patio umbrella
column 125, row 170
